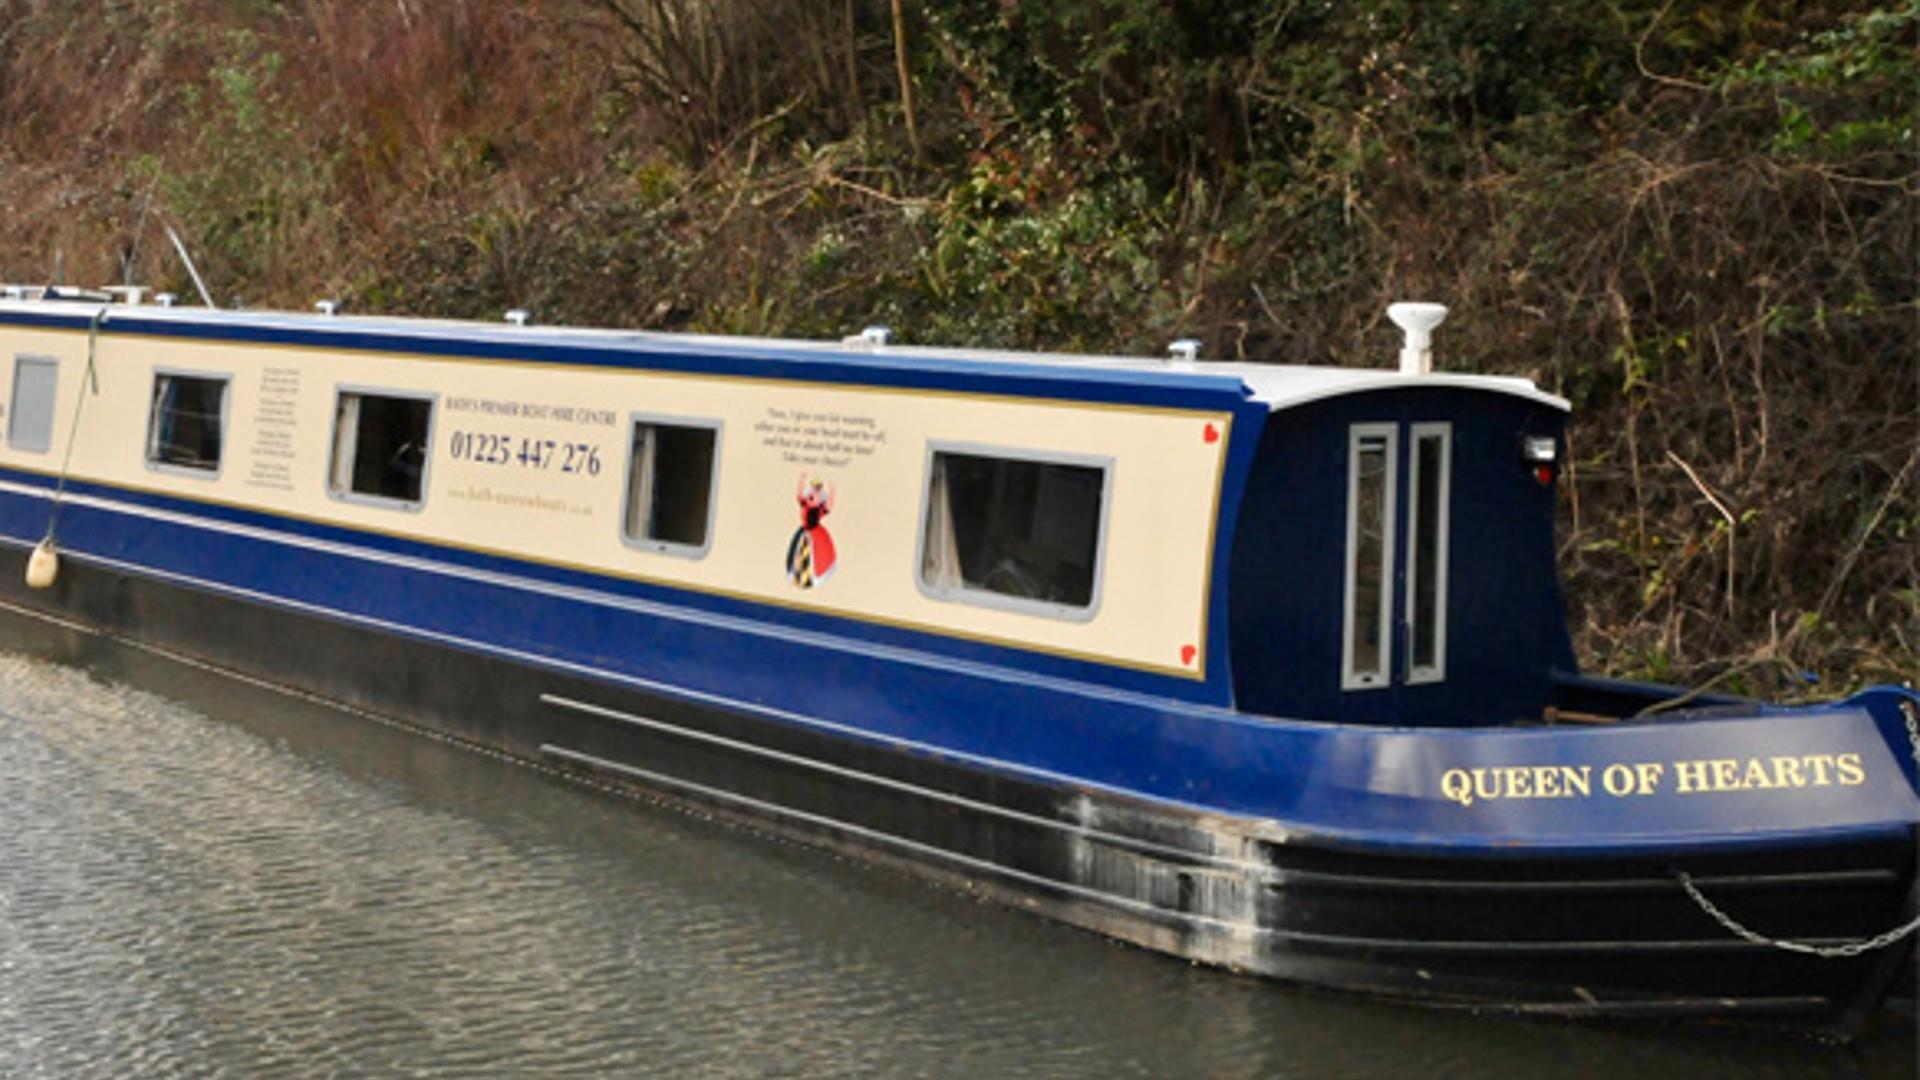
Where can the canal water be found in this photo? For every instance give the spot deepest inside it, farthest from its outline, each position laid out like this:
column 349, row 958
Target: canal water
column 199, row 876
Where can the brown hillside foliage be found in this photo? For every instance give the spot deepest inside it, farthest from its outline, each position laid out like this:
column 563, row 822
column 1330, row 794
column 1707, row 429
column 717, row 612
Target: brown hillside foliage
column 1695, row 220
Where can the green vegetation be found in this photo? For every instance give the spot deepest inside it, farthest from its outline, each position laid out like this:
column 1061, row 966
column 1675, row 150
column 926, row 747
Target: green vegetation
column 1694, row 219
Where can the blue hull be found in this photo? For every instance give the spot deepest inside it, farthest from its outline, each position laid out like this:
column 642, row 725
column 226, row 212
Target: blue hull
column 1522, row 868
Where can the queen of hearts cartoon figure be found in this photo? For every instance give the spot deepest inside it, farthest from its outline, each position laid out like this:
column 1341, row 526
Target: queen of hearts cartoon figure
column 810, row 555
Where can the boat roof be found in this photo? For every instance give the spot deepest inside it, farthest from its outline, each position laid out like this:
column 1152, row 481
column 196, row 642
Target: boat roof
column 1277, row 386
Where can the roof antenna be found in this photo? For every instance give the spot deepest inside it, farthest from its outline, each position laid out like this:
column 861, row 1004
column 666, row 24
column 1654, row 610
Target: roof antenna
column 132, row 256
column 191, row 272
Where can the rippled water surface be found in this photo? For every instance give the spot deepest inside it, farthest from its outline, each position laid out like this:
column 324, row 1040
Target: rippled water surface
column 203, row 877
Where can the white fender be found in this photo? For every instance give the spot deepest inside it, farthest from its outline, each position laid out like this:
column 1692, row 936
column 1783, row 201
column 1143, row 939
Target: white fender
column 43, row 565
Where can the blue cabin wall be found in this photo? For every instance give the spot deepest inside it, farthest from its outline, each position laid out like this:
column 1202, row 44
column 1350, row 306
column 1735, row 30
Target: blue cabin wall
column 1506, row 621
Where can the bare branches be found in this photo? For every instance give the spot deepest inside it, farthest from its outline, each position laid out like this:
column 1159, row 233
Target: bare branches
column 1639, row 59
column 906, row 76
column 1733, row 523
column 1894, row 491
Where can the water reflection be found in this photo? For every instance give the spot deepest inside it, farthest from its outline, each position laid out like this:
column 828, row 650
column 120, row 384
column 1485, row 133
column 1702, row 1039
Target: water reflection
column 200, row 876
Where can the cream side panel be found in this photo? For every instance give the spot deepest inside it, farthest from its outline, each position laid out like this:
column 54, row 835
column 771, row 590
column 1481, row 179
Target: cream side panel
column 562, row 504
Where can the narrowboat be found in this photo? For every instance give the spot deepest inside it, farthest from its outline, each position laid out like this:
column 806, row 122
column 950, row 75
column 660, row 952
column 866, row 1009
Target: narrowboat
column 1260, row 666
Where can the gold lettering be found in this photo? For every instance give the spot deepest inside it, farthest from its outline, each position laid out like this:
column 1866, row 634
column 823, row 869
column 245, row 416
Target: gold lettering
column 1786, row 773
column 1483, row 786
column 1621, row 779
column 1618, row 780
column 1546, row 782
column 1692, row 776
column 1648, row 775
column 1725, row 774
column 1518, row 782
column 1579, row 780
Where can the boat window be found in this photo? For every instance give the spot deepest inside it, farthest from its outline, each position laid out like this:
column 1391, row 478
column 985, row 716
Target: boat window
column 672, row 471
column 380, row 447
column 30, row 425
column 1427, row 561
column 1018, row 532
column 1366, row 649
column 185, row 421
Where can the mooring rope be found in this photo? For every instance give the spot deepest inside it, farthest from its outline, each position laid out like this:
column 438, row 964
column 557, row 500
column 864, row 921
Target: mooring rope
column 66, row 461
column 1845, row 949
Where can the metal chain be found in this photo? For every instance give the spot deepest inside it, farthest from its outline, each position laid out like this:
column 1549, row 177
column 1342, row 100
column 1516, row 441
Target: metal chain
column 1826, row 952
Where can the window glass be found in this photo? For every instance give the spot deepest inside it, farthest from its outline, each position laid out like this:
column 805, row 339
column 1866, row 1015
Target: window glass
column 1022, row 529
column 35, row 381
column 380, row 446
column 1370, row 494
column 1427, row 562
column 670, row 482
column 184, row 423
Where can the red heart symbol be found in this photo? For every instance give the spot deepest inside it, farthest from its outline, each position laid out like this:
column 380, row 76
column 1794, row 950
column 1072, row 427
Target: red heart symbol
column 1212, row 434
column 1187, row 653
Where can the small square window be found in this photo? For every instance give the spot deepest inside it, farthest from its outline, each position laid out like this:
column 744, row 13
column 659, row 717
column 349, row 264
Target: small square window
column 36, row 380
column 671, row 473
column 186, row 421
column 380, row 447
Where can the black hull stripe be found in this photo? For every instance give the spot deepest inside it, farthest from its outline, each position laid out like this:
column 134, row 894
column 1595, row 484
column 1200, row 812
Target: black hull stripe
column 820, row 822
column 1320, row 879
column 1146, row 847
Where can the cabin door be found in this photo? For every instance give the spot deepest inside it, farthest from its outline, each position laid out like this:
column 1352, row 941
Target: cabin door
column 1394, row 629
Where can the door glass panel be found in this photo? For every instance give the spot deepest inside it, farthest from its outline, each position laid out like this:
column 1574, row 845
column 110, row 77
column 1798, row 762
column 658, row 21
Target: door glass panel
column 1369, row 592
column 1427, row 562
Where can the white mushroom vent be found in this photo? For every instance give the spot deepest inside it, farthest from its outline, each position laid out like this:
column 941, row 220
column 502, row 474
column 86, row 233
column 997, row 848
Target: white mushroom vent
column 1418, row 321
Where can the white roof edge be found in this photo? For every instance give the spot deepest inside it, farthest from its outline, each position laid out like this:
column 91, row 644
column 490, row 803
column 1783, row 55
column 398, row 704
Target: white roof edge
column 1278, row 386
column 1379, row 379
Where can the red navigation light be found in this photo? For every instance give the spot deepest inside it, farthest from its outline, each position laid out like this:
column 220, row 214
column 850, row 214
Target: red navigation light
column 1542, row 453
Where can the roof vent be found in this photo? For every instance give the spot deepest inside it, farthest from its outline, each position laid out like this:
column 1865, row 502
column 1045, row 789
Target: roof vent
column 327, row 307
column 873, row 337
column 165, row 299
column 1181, row 354
column 1418, row 321
column 518, row 316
